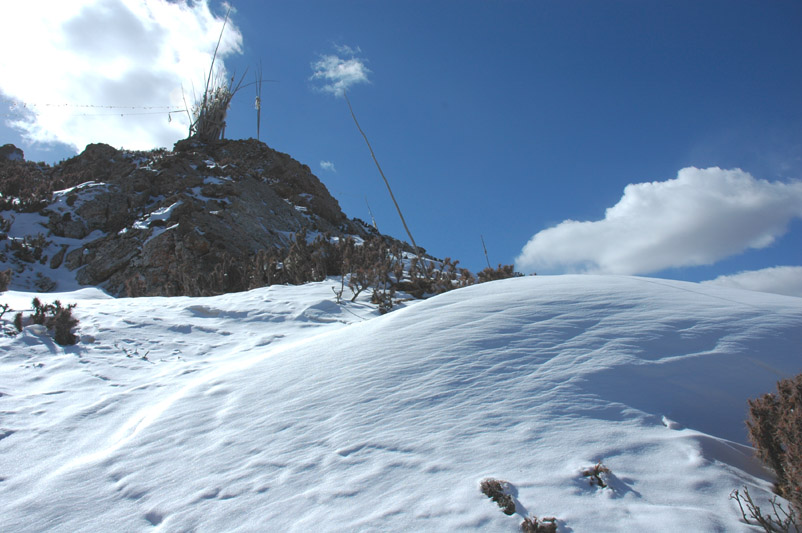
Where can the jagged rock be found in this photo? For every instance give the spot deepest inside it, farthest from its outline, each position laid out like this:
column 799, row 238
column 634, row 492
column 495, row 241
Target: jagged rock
column 106, row 257
column 289, row 178
column 58, row 258
column 166, row 222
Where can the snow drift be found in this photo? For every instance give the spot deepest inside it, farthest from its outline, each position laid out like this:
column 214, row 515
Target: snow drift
column 278, row 410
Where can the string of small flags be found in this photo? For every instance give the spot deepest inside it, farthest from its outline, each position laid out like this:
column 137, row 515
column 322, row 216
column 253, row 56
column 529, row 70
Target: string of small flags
column 26, row 105
column 16, row 107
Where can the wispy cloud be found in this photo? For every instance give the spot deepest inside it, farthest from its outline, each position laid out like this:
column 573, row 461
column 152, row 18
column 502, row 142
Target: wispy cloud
column 785, row 280
column 344, row 49
column 107, row 70
column 699, row 218
column 340, row 73
column 328, row 166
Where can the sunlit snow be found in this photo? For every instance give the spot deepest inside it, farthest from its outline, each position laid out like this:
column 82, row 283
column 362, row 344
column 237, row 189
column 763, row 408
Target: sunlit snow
column 279, row 410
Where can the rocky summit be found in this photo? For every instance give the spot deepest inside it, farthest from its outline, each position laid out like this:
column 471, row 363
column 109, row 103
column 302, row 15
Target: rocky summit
column 159, row 222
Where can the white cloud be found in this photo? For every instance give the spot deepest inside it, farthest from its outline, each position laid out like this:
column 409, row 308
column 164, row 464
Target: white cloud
column 74, row 67
column 785, row 280
column 328, row 165
column 702, row 216
column 340, row 74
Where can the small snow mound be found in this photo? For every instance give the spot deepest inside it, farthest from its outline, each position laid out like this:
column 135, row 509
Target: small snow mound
column 323, row 311
column 36, row 329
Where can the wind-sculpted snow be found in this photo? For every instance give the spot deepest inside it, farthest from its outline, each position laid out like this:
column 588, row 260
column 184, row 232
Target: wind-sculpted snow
column 278, row 410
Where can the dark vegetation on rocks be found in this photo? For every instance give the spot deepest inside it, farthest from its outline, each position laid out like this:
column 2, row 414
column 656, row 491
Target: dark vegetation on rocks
column 206, row 218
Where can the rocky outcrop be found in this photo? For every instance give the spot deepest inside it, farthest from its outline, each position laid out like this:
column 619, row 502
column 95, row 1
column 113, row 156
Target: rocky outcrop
column 163, row 220
column 10, row 152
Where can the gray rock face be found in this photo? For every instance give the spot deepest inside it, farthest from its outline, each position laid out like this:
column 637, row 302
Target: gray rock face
column 157, row 223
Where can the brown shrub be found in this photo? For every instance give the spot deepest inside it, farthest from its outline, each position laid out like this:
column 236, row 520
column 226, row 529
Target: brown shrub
column 494, row 489
column 502, row 272
column 597, row 474
column 775, row 429
column 533, row 524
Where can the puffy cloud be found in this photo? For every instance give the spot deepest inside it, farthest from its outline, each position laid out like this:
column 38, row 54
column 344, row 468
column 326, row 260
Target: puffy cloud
column 84, row 63
column 702, row 216
column 340, row 74
column 785, row 280
column 328, row 165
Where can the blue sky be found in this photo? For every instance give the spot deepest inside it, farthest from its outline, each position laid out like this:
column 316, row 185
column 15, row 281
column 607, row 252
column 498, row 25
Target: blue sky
column 520, row 121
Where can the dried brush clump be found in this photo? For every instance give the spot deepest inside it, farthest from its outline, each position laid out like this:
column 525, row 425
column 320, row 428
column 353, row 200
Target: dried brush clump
column 502, row 272
column 775, row 429
column 494, row 489
column 533, row 524
column 55, row 317
column 597, row 475
column 210, row 110
column 778, row 520
column 379, row 265
column 210, row 113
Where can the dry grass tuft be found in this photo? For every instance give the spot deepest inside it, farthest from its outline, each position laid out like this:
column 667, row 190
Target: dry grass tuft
column 533, row 524
column 596, row 474
column 494, row 489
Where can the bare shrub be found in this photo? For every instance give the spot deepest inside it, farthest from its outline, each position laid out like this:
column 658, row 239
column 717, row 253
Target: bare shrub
column 211, row 109
column 54, row 317
column 62, row 324
column 5, row 328
column 494, row 489
column 502, row 272
column 533, row 524
column 597, row 474
column 775, row 429
column 383, row 299
column 778, row 521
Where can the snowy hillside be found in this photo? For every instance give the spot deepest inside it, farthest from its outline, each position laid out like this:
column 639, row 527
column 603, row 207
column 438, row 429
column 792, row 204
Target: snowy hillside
column 279, row 410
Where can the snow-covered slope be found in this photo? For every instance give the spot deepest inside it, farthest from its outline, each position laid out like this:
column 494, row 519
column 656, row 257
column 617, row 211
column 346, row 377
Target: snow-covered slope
column 278, row 410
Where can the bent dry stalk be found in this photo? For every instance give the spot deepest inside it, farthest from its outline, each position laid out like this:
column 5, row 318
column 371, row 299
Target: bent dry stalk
column 387, row 183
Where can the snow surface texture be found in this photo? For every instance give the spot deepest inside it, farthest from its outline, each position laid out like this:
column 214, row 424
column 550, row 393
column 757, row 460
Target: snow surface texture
column 279, row 410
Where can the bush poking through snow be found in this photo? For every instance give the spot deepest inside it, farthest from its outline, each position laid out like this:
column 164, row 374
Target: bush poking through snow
column 775, row 429
column 533, row 524
column 494, row 489
column 497, row 490
column 779, row 521
column 597, row 475
column 502, row 272
column 131, row 354
column 54, row 317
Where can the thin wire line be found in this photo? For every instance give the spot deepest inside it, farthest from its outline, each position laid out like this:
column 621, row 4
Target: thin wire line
column 25, row 105
column 17, row 115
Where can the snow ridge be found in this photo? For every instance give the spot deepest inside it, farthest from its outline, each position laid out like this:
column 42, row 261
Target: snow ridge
column 277, row 409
